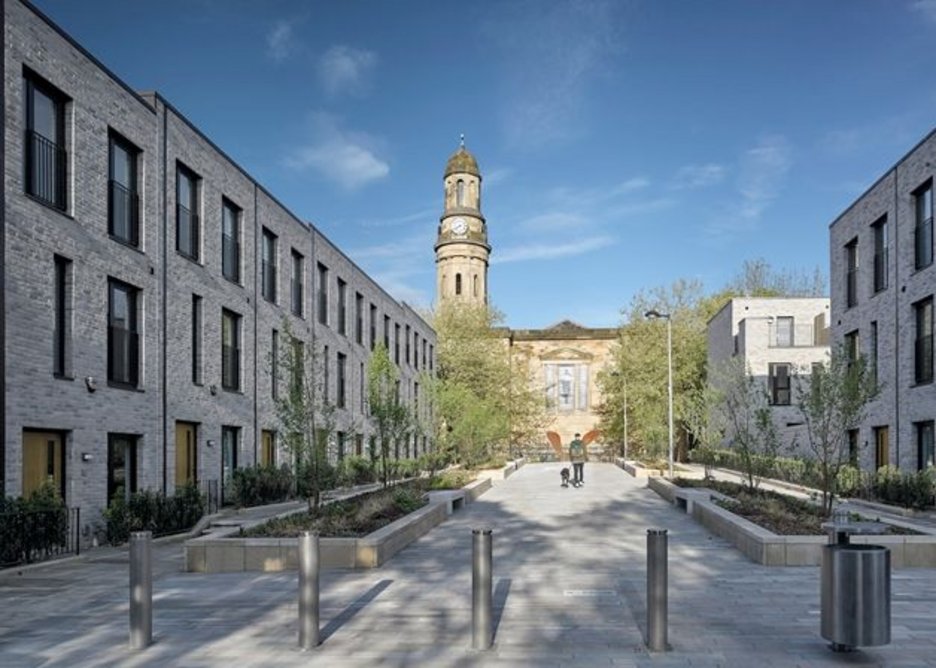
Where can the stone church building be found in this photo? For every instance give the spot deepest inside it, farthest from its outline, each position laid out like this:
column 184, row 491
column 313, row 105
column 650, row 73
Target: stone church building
column 566, row 357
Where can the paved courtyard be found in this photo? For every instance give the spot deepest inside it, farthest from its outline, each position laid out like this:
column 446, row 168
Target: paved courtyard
column 569, row 579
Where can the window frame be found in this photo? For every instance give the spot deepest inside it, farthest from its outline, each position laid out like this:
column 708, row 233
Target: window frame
column 851, row 273
column 879, row 279
column 58, row 198
column 132, row 293
column 184, row 173
column 231, row 212
column 923, row 227
column 296, row 293
column 132, row 190
column 231, row 354
column 923, row 343
column 268, row 265
column 130, row 464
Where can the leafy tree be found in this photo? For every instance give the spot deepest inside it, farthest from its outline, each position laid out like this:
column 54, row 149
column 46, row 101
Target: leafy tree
column 306, row 415
column 391, row 418
column 758, row 279
column 833, row 400
column 703, row 421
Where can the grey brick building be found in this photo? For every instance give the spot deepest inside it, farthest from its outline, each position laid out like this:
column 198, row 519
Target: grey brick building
column 883, row 281
column 146, row 280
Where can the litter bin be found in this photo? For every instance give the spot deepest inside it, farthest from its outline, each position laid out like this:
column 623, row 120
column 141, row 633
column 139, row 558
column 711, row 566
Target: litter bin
column 855, row 588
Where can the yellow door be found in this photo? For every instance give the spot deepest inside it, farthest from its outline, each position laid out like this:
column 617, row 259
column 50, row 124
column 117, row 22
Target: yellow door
column 186, row 458
column 267, row 449
column 881, row 447
column 43, row 461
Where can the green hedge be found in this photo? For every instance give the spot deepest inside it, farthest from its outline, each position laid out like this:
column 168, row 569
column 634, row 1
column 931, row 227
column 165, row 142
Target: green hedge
column 32, row 527
column 152, row 511
column 259, row 485
column 356, row 470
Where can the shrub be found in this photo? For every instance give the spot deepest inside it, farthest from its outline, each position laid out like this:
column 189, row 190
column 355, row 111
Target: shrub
column 907, row 489
column 258, row 485
column 152, row 511
column 328, row 478
column 408, row 468
column 451, row 479
column 356, row 470
column 32, row 527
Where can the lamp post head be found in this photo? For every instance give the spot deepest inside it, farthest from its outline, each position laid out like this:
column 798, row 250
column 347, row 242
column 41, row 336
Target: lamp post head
column 653, row 314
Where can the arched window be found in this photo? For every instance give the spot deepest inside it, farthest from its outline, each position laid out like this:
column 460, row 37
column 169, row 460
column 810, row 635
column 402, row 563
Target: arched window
column 457, row 284
column 460, row 193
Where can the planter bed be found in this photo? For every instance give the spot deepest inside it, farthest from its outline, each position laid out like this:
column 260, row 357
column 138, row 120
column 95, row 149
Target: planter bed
column 770, row 549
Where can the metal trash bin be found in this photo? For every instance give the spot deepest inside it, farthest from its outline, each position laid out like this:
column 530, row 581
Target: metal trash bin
column 856, row 595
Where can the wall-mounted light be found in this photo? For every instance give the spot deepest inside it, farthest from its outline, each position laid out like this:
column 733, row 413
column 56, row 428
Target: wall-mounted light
column 213, row 389
column 209, row 443
column 86, row 456
column 90, row 383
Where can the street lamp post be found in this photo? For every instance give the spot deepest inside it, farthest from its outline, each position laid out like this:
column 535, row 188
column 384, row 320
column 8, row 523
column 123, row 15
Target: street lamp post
column 653, row 314
column 615, row 375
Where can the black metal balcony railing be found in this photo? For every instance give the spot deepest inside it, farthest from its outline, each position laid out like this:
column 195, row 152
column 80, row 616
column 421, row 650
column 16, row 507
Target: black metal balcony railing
column 880, row 270
column 268, row 280
column 123, row 210
column 123, row 359
column 297, row 297
column 923, row 243
column 851, row 287
column 46, row 174
column 230, row 258
column 186, row 232
column 38, row 535
column 230, row 368
column 923, row 359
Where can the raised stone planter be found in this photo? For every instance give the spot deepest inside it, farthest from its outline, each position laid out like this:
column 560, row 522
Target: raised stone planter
column 223, row 551
column 769, row 549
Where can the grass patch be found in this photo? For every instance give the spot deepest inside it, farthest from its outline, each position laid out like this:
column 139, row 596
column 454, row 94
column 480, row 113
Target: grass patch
column 349, row 518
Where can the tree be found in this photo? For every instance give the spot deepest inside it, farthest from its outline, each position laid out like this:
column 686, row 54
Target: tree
column 703, row 420
column 832, row 400
column 758, row 279
column 745, row 411
column 305, row 414
column 391, row 419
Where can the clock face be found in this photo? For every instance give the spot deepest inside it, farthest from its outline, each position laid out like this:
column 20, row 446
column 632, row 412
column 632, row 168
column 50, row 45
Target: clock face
column 459, row 226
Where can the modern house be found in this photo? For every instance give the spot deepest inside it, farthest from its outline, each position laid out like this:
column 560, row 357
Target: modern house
column 883, row 281
column 146, row 284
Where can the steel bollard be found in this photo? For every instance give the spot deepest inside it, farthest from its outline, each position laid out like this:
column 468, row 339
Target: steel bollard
column 308, row 590
column 656, row 589
column 482, row 619
column 141, row 589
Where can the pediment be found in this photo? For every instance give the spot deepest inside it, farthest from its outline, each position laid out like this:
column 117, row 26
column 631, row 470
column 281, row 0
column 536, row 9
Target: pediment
column 566, row 354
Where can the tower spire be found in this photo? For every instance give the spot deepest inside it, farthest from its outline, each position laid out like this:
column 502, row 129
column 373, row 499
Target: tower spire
column 462, row 140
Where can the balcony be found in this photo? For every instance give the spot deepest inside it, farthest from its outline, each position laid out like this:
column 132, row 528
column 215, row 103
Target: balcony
column 123, row 207
column 46, row 170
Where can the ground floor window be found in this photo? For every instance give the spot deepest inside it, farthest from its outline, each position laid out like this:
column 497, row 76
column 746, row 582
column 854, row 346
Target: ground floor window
column 924, row 440
column 43, row 461
column 121, row 466
column 229, row 447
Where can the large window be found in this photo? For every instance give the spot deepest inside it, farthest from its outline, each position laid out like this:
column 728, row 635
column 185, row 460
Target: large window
column 852, row 346
column 296, row 292
column 923, row 343
column 880, row 254
column 230, row 350
column 373, row 326
column 274, row 365
column 342, row 377
column 230, row 240
column 873, row 366
column 196, row 339
column 386, row 333
column 46, row 159
column 342, row 307
column 61, row 335
column 566, row 387
column 784, row 332
column 121, row 466
column 123, row 198
column 779, row 381
column 268, row 266
column 396, row 344
column 123, row 339
column 923, row 231
column 924, row 440
column 851, row 273
column 358, row 318
column 407, row 342
column 322, row 271
column 187, row 230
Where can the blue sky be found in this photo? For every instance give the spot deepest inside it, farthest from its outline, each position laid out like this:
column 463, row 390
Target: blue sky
column 623, row 143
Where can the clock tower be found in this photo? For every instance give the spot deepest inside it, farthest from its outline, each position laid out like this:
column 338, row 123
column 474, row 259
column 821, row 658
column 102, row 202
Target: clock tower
column 462, row 248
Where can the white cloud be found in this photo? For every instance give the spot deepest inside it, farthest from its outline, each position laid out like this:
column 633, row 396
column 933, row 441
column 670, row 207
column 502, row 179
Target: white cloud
column 699, row 176
column 398, row 265
column 925, row 7
column 346, row 70
column 554, row 221
column 550, row 251
column 347, row 158
column 421, row 216
column 281, row 43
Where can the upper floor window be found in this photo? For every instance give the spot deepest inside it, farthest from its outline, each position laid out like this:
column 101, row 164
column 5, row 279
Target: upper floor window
column 296, row 292
column 187, row 231
column 880, row 254
column 342, row 378
column 123, row 199
column 358, row 318
column 268, row 266
column 851, row 273
column 784, row 332
column 407, row 341
column 123, row 339
column 458, row 284
column 396, row 344
column 852, row 349
column 373, row 326
column 923, row 232
column 230, row 240
column 45, row 155
column 923, row 342
column 779, row 380
column 342, row 306
column 322, row 293
column 873, row 351
column 386, row 333
column 230, row 350
column 460, row 193
column 62, row 334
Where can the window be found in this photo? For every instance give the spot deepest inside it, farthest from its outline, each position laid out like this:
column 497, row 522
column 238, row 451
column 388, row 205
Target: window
column 298, row 269
column 881, row 447
column 880, row 254
column 873, row 367
column 123, row 341
column 923, row 232
column 322, row 293
column 460, row 193
column 416, row 350
column 361, row 377
column 121, row 466
column 123, row 198
column 230, row 240
column 298, row 367
column 853, row 436
column 196, row 339
column 852, row 349
column 342, row 371
column 457, row 284
column 268, row 266
column 61, row 336
column 924, row 438
column 851, row 273
column 424, row 353
column 230, row 446
column 386, row 333
column 187, row 232
column 359, row 444
column 923, row 344
column 45, row 155
column 274, row 365
column 342, row 307
column 407, row 341
column 326, row 379
column 779, row 380
column 431, row 357
column 373, row 326
column 340, row 438
column 396, row 344
column 358, row 318
column 566, row 386
column 230, row 350
column 267, row 448
column 784, row 338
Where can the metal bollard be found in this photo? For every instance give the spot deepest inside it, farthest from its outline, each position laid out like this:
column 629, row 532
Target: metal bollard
column 141, row 589
column 656, row 589
column 482, row 618
column 308, row 590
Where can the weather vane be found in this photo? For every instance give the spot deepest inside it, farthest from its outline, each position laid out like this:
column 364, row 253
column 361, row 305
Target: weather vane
column 463, row 140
